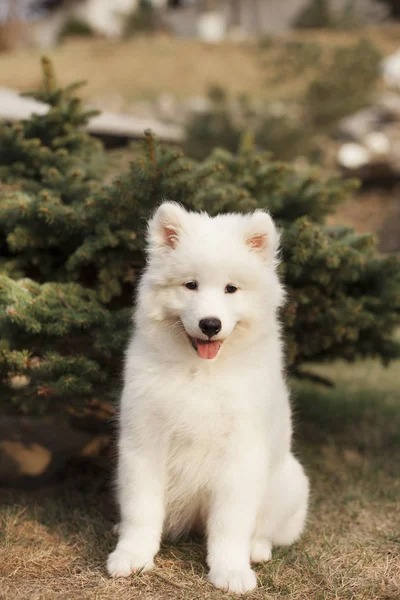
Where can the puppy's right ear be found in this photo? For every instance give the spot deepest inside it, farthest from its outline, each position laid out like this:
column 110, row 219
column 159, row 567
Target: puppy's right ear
column 261, row 235
column 166, row 225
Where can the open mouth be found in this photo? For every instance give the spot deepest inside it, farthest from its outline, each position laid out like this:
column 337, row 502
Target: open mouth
column 206, row 348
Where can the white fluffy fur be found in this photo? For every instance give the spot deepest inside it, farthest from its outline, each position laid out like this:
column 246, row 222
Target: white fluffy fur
column 208, row 442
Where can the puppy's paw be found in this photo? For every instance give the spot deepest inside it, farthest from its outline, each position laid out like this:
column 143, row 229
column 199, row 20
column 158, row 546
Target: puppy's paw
column 261, row 550
column 235, row 581
column 122, row 563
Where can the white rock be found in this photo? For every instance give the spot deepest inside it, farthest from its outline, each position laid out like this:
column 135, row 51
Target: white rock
column 211, row 27
column 103, row 16
column 390, row 68
column 390, row 103
column 357, row 125
column 14, row 107
column 198, row 104
column 377, row 142
column 167, row 107
column 353, row 156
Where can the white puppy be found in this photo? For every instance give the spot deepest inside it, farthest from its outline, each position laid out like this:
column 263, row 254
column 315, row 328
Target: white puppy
column 205, row 424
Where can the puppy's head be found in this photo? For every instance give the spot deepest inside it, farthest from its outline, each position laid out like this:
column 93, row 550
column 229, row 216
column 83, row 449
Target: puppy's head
column 209, row 280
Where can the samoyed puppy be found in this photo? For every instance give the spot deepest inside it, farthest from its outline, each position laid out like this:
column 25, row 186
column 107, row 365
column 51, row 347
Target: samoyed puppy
column 205, row 424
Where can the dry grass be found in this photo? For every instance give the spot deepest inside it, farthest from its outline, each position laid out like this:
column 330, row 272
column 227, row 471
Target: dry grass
column 140, row 68
column 55, row 548
column 147, row 66
column 54, row 542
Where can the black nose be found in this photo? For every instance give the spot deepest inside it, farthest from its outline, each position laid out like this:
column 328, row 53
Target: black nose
column 210, row 326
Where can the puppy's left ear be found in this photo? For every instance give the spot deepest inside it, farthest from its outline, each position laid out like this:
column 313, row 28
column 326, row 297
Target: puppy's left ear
column 166, row 226
column 261, row 235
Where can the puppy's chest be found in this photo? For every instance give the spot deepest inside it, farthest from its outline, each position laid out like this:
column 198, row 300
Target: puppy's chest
column 200, row 435
column 204, row 409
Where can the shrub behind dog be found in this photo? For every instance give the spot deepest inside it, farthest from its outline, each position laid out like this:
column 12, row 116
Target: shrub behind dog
column 72, row 250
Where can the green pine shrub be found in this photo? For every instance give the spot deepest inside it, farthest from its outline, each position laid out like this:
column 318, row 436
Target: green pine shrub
column 339, row 83
column 76, row 28
column 144, row 18
column 294, row 58
column 322, row 14
column 345, row 85
column 72, row 249
column 228, row 120
column 216, row 126
column 315, row 15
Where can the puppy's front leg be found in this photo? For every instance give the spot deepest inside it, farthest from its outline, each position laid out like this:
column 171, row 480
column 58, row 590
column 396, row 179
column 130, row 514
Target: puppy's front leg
column 141, row 475
column 235, row 500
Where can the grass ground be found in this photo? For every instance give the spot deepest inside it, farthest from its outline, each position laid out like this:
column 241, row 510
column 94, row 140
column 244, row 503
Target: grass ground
column 54, row 541
column 145, row 67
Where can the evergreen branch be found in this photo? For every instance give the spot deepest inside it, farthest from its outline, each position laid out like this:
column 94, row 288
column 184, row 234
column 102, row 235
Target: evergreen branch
column 313, row 377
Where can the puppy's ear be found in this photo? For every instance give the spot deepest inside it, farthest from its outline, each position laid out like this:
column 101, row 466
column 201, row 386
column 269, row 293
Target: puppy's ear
column 261, row 235
column 166, row 225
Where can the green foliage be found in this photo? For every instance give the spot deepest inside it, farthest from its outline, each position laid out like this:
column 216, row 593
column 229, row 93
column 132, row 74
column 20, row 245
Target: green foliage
column 340, row 82
column 143, row 19
column 211, row 128
column 66, row 343
column 319, row 14
column 72, row 248
column 227, row 121
column 345, row 85
column 295, row 57
column 285, row 137
column 316, row 14
column 75, row 27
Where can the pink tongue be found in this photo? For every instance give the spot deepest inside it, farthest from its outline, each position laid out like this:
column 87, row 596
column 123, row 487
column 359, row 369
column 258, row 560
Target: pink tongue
column 207, row 349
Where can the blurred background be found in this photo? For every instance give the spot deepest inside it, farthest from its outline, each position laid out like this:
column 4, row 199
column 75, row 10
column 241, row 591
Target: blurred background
column 315, row 83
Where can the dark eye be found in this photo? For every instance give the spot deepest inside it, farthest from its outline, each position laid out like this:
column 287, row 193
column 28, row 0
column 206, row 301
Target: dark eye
column 230, row 289
column 192, row 285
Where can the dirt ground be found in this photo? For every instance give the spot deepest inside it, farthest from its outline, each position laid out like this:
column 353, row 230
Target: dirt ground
column 147, row 66
column 373, row 210
column 54, row 541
